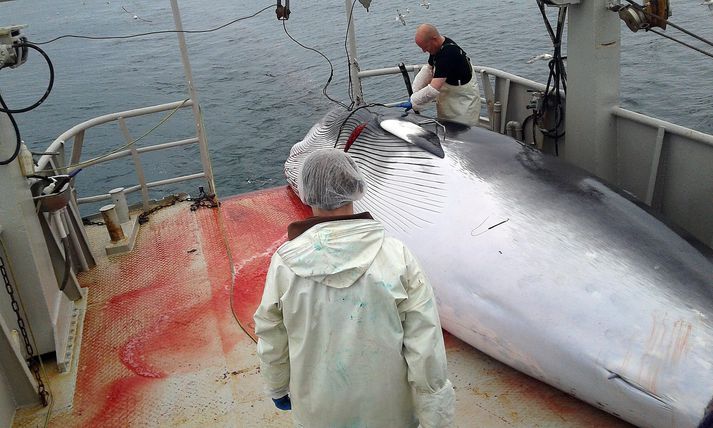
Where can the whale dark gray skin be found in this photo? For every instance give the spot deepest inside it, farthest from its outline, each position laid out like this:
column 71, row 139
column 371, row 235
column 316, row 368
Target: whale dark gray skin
column 540, row 264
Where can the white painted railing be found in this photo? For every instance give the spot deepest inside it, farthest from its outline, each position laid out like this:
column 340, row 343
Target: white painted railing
column 54, row 159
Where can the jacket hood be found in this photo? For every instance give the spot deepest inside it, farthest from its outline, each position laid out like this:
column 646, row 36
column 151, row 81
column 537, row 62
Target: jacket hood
column 334, row 253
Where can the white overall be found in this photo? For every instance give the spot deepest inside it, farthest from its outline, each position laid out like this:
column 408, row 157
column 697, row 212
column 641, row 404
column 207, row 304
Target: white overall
column 348, row 326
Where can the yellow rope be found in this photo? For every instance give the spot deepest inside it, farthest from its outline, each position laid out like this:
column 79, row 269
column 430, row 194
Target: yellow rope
column 224, row 237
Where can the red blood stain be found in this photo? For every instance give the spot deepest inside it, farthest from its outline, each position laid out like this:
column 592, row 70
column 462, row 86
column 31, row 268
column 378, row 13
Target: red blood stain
column 260, row 235
column 159, row 312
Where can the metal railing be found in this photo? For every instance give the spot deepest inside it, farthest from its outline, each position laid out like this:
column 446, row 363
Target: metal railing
column 668, row 167
column 54, row 158
column 511, row 92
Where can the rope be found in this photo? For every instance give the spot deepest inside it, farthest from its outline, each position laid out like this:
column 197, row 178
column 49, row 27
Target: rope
column 125, row 146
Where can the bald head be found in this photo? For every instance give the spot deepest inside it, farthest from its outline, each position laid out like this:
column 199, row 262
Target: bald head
column 428, row 38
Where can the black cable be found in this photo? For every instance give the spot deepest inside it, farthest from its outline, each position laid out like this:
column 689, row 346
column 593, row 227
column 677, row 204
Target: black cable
column 154, row 32
column 5, row 109
column 556, row 79
column 331, row 67
column 349, row 61
column 651, row 15
column 344, row 122
column 683, row 43
column 17, row 135
column 541, row 5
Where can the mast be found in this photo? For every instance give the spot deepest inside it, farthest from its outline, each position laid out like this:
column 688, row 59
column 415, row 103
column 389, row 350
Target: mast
column 357, row 94
column 202, row 142
column 593, row 54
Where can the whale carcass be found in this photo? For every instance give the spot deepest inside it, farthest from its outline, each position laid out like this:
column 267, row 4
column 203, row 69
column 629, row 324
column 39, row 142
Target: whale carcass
column 540, row 264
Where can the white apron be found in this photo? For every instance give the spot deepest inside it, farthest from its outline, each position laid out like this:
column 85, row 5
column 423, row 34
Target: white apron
column 459, row 103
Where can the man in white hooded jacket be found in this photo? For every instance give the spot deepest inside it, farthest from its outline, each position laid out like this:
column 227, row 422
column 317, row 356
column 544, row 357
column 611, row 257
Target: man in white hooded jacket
column 349, row 334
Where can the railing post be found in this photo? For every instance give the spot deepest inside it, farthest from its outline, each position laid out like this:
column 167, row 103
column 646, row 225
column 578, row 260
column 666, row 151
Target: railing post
column 77, row 148
column 202, row 143
column 654, row 178
column 353, row 63
column 137, row 164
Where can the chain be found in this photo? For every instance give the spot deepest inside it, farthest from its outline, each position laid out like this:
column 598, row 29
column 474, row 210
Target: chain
column 144, row 216
column 87, row 222
column 28, row 346
column 203, row 200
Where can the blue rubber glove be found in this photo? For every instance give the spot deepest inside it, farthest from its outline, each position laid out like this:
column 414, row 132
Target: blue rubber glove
column 406, row 104
column 283, row 403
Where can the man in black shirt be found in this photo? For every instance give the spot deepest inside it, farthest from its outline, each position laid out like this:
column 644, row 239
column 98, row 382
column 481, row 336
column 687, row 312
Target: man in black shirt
column 448, row 79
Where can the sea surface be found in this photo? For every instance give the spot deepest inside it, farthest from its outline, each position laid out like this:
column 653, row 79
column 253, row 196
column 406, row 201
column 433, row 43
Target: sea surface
column 261, row 92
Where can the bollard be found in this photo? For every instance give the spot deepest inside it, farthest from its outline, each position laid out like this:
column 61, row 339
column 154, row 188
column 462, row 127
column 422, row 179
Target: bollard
column 111, row 219
column 118, row 198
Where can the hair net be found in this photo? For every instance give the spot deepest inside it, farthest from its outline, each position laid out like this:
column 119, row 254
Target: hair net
column 329, row 178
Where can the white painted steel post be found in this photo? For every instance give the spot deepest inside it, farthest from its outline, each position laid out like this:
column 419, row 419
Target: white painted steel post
column 202, row 142
column 353, row 63
column 118, row 198
column 137, row 163
column 59, row 223
column 593, row 52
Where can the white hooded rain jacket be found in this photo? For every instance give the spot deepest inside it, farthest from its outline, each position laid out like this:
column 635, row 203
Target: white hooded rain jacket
column 348, row 325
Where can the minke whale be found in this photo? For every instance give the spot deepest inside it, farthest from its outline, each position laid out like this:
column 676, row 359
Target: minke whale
column 540, row 264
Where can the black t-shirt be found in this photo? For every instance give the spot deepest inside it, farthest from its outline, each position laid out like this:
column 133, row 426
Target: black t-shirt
column 452, row 63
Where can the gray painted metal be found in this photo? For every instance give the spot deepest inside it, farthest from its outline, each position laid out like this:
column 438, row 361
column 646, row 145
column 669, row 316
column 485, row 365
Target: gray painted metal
column 542, row 266
column 29, row 256
column 20, row 388
column 47, row 311
column 593, row 53
column 671, row 165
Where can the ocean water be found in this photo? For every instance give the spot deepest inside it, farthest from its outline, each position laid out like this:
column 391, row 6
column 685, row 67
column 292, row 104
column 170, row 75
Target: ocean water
column 260, row 92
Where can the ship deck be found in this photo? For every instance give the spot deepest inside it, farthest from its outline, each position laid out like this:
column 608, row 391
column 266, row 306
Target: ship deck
column 161, row 346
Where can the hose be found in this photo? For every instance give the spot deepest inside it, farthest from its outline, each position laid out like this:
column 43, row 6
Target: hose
column 5, row 108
